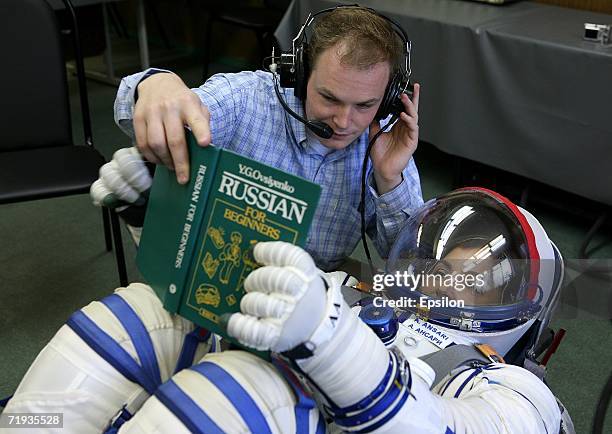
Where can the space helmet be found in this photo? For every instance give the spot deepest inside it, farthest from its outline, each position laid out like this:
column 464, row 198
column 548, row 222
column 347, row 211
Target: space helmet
column 480, row 265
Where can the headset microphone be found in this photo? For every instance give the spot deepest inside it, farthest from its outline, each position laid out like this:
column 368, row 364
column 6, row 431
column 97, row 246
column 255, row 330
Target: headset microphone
column 321, row 129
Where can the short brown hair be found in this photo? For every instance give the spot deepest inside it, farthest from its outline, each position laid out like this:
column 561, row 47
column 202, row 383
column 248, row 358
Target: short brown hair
column 367, row 38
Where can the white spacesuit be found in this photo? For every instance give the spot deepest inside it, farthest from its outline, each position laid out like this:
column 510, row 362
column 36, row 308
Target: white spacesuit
column 125, row 364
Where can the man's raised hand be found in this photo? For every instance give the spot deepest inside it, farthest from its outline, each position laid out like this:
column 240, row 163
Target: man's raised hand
column 164, row 107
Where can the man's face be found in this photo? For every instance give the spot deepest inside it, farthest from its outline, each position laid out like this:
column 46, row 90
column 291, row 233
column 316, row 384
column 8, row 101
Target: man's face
column 453, row 264
column 344, row 97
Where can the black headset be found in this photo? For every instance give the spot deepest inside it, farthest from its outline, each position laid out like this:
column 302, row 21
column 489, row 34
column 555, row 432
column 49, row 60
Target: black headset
column 294, row 70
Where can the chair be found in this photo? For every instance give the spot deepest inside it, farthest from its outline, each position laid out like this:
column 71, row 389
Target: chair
column 261, row 20
column 38, row 157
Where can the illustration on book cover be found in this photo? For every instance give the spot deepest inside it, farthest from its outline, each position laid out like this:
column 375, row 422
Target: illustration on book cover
column 224, row 258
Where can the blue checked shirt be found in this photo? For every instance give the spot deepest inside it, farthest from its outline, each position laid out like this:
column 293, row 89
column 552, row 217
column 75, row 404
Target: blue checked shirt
column 246, row 117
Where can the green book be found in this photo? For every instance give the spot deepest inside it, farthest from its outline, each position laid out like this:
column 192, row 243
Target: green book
column 196, row 244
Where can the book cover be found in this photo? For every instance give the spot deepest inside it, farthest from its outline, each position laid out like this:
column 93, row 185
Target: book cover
column 195, row 249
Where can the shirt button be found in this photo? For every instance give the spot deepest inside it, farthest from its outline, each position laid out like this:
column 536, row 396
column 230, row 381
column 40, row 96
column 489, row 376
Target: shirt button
column 383, row 205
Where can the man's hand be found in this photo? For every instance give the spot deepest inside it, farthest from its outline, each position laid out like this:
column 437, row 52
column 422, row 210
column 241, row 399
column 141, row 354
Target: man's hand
column 285, row 301
column 393, row 149
column 165, row 105
column 122, row 180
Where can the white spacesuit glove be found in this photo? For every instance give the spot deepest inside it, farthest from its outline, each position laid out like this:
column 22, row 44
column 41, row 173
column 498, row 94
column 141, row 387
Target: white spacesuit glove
column 288, row 309
column 122, row 180
column 289, row 302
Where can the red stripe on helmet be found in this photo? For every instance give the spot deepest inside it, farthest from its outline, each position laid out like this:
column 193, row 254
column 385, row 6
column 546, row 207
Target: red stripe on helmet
column 530, row 237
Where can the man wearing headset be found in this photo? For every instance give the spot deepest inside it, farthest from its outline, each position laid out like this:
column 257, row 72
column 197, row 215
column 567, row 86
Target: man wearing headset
column 349, row 77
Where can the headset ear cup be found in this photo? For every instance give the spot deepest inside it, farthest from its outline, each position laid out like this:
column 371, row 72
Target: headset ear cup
column 391, row 92
column 301, row 71
column 392, row 103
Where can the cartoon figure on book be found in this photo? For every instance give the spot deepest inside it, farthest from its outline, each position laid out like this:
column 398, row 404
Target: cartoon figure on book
column 230, row 256
column 125, row 364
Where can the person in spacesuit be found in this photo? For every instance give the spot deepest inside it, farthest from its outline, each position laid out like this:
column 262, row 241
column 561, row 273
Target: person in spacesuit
column 125, row 364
